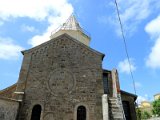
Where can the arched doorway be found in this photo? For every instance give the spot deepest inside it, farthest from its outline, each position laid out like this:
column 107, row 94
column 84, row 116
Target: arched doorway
column 81, row 113
column 36, row 112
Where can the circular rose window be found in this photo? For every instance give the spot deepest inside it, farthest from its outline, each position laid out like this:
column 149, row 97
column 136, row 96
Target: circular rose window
column 61, row 81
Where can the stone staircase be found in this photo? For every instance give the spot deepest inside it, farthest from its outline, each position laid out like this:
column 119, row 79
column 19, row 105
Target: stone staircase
column 115, row 109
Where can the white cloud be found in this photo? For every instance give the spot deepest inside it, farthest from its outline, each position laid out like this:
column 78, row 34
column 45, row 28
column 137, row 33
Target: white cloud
column 54, row 23
column 145, row 97
column 153, row 29
column 27, row 28
column 124, row 67
column 153, row 60
column 9, row 50
column 141, row 98
column 134, row 9
column 64, row 12
column 36, row 9
column 39, row 39
column 54, row 12
column 132, row 13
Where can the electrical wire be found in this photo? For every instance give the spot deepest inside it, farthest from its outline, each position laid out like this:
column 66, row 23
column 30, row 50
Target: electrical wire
column 125, row 46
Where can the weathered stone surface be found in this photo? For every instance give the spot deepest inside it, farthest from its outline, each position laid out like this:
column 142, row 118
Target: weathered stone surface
column 8, row 109
column 62, row 74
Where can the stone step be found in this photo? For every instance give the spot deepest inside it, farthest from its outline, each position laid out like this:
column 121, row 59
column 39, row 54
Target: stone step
column 116, row 110
column 112, row 102
column 117, row 116
column 114, row 105
column 117, row 113
column 116, row 119
column 112, row 98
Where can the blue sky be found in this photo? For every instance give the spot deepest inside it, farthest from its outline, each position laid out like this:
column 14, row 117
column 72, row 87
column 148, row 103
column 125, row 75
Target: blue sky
column 26, row 23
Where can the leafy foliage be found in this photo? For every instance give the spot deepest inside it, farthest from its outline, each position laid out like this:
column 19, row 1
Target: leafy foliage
column 142, row 115
column 156, row 107
column 138, row 113
column 145, row 115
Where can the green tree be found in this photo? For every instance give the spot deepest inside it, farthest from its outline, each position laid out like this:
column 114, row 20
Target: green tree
column 145, row 115
column 138, row 113
column 156, row 107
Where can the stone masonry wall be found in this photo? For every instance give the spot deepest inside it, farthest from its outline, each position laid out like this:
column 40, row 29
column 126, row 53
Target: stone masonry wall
column 8, row 109
column 63, row 74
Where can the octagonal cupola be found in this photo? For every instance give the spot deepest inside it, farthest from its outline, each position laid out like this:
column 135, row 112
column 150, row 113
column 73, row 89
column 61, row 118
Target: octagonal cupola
column 72, row 28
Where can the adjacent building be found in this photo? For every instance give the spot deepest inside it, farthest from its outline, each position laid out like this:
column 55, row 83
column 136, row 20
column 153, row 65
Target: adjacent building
column 157, row 96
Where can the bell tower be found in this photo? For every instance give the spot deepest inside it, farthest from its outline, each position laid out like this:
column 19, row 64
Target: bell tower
column 72, row 28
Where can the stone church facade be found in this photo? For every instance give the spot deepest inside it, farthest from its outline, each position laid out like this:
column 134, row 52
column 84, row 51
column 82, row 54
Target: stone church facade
column 63, row 79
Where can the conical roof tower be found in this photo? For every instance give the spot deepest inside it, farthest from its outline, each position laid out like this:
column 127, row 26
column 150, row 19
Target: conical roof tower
column 72, row 28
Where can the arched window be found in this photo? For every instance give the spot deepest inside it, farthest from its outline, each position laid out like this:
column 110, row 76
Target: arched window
column 36, row 112
column 81, row 113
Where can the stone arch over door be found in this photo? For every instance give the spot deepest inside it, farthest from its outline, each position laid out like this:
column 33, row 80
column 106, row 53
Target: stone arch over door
column 36, row 112
column 81, row 109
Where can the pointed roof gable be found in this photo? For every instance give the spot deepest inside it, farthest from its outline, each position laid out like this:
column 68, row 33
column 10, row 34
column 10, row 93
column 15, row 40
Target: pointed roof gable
column 71, row 24
column 72, row 27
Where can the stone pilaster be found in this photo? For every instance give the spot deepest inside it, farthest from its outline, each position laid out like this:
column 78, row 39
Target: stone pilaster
column 105, row 107
column 22, row 78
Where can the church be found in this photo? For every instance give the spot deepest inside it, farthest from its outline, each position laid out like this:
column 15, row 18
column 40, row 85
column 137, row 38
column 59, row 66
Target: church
column 63, row 79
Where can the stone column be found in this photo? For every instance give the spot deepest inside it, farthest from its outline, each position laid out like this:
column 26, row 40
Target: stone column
column 115, row 83
column 113, row 73
column 105, row 107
